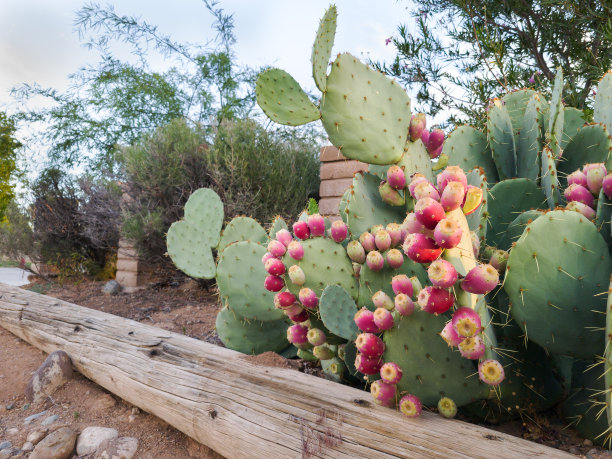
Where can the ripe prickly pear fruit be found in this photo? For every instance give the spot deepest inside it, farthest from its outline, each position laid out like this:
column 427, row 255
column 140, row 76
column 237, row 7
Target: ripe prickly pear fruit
column 410, row 406
column 364, row 319
column 296, row 275
column 376, row 228
column 421, row 249
column 301, row 230
column 451, row 174
column 472, row 347
column 425, row 137
column 414, row 181
column 607, row 185
column 411, row 225
column 375, row 261
column 370, row 345
column 436, row 153
column 266, row 257
column 275, row 266
column 452, row 196
column 401, row 284
column 390, row 195
column 383, row 392
column 436, row 139
column 283, row 300
column 308, row 298
column 316, row 337
column 276, row 248
column 284, row 236
column 481, row 279
column 466, row 322
column 499, row 259
column 435, row 300
column 395, row 259
column 396, row 177
column 447, row 407
column 382, row 300
column 424, row 189
column 355, row 251
column 395, row 232
column 449, row 335
column 297, row 315
column 323, row 353
column 367, row 241
column 391, row 373
column 367, row 365
column 442, row 273
column 473, row 199
column 403, row 304
column 297, row 335
column 577, row 177
column 295, row 250
column 429, row 212
column 316, row 224
column 382, row 239
column 447, row 234
column 578, row 193
column 339, row 231
column 491, row 372
column 417, row 125
column 274, row 283
column 595, row 176
column 383, row 319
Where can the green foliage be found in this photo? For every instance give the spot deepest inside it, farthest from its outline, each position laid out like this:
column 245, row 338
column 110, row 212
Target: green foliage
column 8, row 156
column 15, row 233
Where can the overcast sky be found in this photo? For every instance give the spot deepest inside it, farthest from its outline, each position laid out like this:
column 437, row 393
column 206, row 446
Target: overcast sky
column 38, row 43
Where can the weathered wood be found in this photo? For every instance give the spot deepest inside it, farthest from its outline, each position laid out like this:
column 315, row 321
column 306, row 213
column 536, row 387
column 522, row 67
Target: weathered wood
column 230, row 403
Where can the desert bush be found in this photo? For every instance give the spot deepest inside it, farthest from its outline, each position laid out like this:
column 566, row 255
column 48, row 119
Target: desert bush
column 16, row 233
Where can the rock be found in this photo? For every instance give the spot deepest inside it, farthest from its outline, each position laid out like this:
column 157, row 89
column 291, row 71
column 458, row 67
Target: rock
column 190, row 285
column 10, row 406
column 131, row 418
column 5, row 445
column 119, row 448
column 9, row 452
column 103, row 403
column 135, row 410
column 36, row 436
column 55, row 371
column 57, row 445
column 27, row 446
column 26, row 406
column 34, row 417
column 112, row 287
column 12, row 431
column 587, row 442
column 92, row 437
column 50, row 420
column 574, row 450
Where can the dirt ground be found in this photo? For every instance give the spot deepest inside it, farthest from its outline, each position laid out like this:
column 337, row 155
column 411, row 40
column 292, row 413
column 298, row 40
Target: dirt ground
column 184, row 308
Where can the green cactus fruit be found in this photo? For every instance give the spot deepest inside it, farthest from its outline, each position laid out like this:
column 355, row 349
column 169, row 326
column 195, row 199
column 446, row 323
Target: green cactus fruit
column 516, row 104
column 468, row 148
column 554, row 130
column 476, row 220
column 529, row 140
column 338, row 310
column 334, row 368
column 188, row 250
column 555, row 275
column 306, row 354
column 277, row 224
column 515, row 229
column 602, row 110
column 240, row 279
column 282, row 99
column 251, row 336
column 549, row 177
column 573, row 120
column 590, row 145
column 431, row 369
column 204, row 209
column 242, row 229
column 364, row 113
column 501, row 140
column 508, row 199
column 322, row 47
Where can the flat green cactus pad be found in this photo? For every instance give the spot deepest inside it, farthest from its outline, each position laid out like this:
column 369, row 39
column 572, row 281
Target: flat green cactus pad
column 343, row 205
column 242, row 229
column 338, row 310
column 602, row 110
column 204, row 209
column 251, row 336
column 364, row 113
column 529, row 140
column 515, row 229
column 188, row 249
column 549, row 177
column 416, row 159
column 608, row 358
column 554, row 130
column 501, row 140
column 277, row 224
column 516, row 103
column 476, row 220
column 591, row 144
column 604, row 216
column 555, row 277
column 240, row 279
column 467, row 147
column 322, row 48
column 282, row 99
column 573, row 120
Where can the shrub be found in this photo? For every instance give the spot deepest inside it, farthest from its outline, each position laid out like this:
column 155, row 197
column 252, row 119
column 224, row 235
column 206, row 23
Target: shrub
column 16, row 233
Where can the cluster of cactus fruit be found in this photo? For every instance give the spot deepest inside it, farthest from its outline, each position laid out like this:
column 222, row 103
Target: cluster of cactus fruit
column 469, row 272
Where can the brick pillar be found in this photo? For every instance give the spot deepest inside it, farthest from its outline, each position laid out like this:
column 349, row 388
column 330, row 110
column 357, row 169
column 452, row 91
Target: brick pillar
column 127, row 267
column 336, row 176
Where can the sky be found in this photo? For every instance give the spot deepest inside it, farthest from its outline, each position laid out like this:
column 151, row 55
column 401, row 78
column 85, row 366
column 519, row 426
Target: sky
column 39, row 44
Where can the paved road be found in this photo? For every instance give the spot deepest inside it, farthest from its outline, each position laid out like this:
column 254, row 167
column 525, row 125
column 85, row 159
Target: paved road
column 14, row 276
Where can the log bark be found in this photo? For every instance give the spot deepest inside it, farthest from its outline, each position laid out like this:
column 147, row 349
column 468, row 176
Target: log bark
column 229, row 402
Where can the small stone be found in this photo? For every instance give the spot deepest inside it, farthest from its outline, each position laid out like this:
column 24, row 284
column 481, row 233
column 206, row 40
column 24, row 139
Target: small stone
column 103, row 403
column 5, row 445
column 12, row 431
column 135, row 410
column 36, row 436
column 118, row 448
column 587, row 442
column 112, row 287
column 131, row 418
column 57, row 445
column 34, row 417
column 574, row 450
column 50, row 420
column 26, row 407
column 10, row 406
column 27, row 446
column 55, row 371
column 92, row 437
column 9, row 452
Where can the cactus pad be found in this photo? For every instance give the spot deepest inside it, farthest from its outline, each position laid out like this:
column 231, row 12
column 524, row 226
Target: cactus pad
column 475, row 220
column 322, row 48
column 549, row 177
column 590, row 145
column 516, row 103
column 204, row 209
column 515, row 229
column 573, row 120
column 529, row 142
column 501, row 140
column 338, row 310
column 602, row 110
column 242, row 229
column 468, row 148
column 277, row 224
column 188, row 249
column 416, row 159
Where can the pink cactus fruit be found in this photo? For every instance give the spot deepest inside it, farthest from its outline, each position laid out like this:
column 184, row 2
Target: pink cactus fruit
column 367, row 365
column 421, row 249
column 607, row 185
column 415, row 179
column 308, row 298
column 316, row 224
column 266, row 257
column 472, row 347
column 274, row 283
column 585, row 210
column 275, row 266
column 339, row 231
column 401, row 284
column 436, row 139
column 383, row 319
column 395, row 232
column 301, row 230
column 403, row 304
column 295, row 250
column 276, row 248
column 578, row 178
column 375, row 260
column 370, row 345
column 451, row 174
column 417, row 125
column 425, row 137
column 391, row 373
column 453, row 196
column 355, row 252
column 298, row 336
column 447, row 234
column 435, row 153
column 396, row 177
column 466, row 322
column 424, row 189
column 296, row 275
column 382, row 300
column 428, row 212
column 410, row 406
column 283, row 300
column 442, row 273
column 595, row 176
column 411, row 225
column 364, row 319
column 395, row 259
column 449, row 335
column 367, row 241
column 481, row 279
column 297, row 316
column 491, row 372
column 578, row 193
column 499, row 259
column 383, row 392
column 284, row 236
column 435, row 300
column 376, row 228
column 316, row 337
column 447, row 407
column 292, row 309
column 390, row 195
column 382, row 239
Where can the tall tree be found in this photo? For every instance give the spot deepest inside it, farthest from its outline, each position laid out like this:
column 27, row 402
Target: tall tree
column 8, row 157
column 464, row 52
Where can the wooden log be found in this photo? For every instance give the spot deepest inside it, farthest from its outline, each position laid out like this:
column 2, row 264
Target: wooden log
column 229, row 402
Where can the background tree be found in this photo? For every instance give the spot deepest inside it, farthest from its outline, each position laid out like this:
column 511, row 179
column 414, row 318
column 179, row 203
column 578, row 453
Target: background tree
column 8, row 157
column 466, row 51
